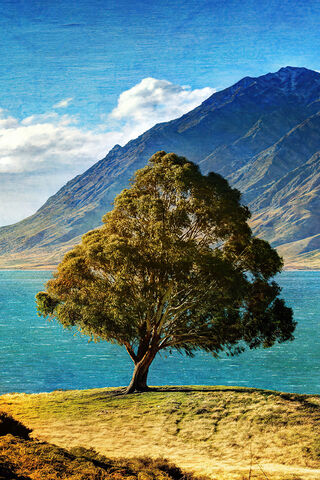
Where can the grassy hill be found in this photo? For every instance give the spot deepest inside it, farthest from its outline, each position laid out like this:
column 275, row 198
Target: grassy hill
column 225, row 433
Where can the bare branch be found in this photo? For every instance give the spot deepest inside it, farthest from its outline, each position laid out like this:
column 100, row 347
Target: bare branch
column 130, row 351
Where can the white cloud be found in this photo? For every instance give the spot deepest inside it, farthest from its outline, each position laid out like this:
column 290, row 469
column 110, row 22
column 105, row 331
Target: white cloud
column 49, row 142
column 63, row 103
column 42, row 141
column 52, row 147
column 152, row 101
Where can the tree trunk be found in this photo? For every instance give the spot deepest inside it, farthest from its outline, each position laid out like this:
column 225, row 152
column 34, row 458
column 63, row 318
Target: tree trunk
column 139, row 378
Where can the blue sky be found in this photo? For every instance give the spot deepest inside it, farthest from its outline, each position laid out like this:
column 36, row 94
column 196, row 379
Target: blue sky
column 79, row 76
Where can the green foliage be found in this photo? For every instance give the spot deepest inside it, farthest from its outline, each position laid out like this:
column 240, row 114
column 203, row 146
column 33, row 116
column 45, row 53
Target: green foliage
column 174, row 266
column 46, row 304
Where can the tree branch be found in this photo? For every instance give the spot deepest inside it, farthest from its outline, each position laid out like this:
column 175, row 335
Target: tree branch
column 130, row 351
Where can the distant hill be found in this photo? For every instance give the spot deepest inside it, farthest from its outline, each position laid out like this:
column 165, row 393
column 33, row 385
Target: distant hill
column 263, row 134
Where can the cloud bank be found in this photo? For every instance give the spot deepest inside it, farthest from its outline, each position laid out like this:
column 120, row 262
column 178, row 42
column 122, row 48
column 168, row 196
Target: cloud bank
column 49, row 142
column 152, row 101
column 50, row 148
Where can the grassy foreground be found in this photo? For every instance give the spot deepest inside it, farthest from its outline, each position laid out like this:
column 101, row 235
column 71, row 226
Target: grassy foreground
column 226, row 433
column 34, row 460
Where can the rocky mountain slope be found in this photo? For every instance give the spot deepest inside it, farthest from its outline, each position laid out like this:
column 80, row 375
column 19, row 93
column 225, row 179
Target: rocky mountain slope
column 261, row 133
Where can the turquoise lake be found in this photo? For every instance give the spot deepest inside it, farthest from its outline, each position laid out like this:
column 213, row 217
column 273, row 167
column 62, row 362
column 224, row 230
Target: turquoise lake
column 37, row 355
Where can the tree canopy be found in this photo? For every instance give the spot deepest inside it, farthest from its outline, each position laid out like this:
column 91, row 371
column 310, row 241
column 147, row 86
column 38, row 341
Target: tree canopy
column 174, row 266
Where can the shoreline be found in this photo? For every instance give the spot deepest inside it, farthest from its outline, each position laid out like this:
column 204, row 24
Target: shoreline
column 154, row 389
column 50, row 268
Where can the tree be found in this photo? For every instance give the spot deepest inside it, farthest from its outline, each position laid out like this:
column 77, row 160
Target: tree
column 175, row 266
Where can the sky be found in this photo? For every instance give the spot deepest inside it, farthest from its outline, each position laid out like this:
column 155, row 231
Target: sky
column 79, row 76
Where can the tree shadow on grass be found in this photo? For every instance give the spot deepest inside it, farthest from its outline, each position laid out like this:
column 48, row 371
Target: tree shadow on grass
column 121, row 392
column 304, row 399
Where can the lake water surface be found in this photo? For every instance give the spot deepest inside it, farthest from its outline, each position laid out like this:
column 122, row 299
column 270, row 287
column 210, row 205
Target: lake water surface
column 37, row 355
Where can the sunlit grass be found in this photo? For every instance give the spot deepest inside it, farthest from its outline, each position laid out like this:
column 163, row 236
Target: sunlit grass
column 217, row 431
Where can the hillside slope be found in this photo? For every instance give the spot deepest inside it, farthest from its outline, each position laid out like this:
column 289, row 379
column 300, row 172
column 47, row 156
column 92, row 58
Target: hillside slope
column 262, row 134
column 223, row 432
column 33, row 460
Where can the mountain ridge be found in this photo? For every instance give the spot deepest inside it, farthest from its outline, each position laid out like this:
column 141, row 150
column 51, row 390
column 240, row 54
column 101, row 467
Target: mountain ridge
column 256, row 133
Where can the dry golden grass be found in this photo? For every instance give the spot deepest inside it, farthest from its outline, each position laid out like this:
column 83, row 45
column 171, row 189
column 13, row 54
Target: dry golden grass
column 25, row 459
column 227, row 433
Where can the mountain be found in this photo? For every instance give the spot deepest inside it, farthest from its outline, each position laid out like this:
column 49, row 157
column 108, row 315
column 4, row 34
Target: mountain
column 263, row 134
